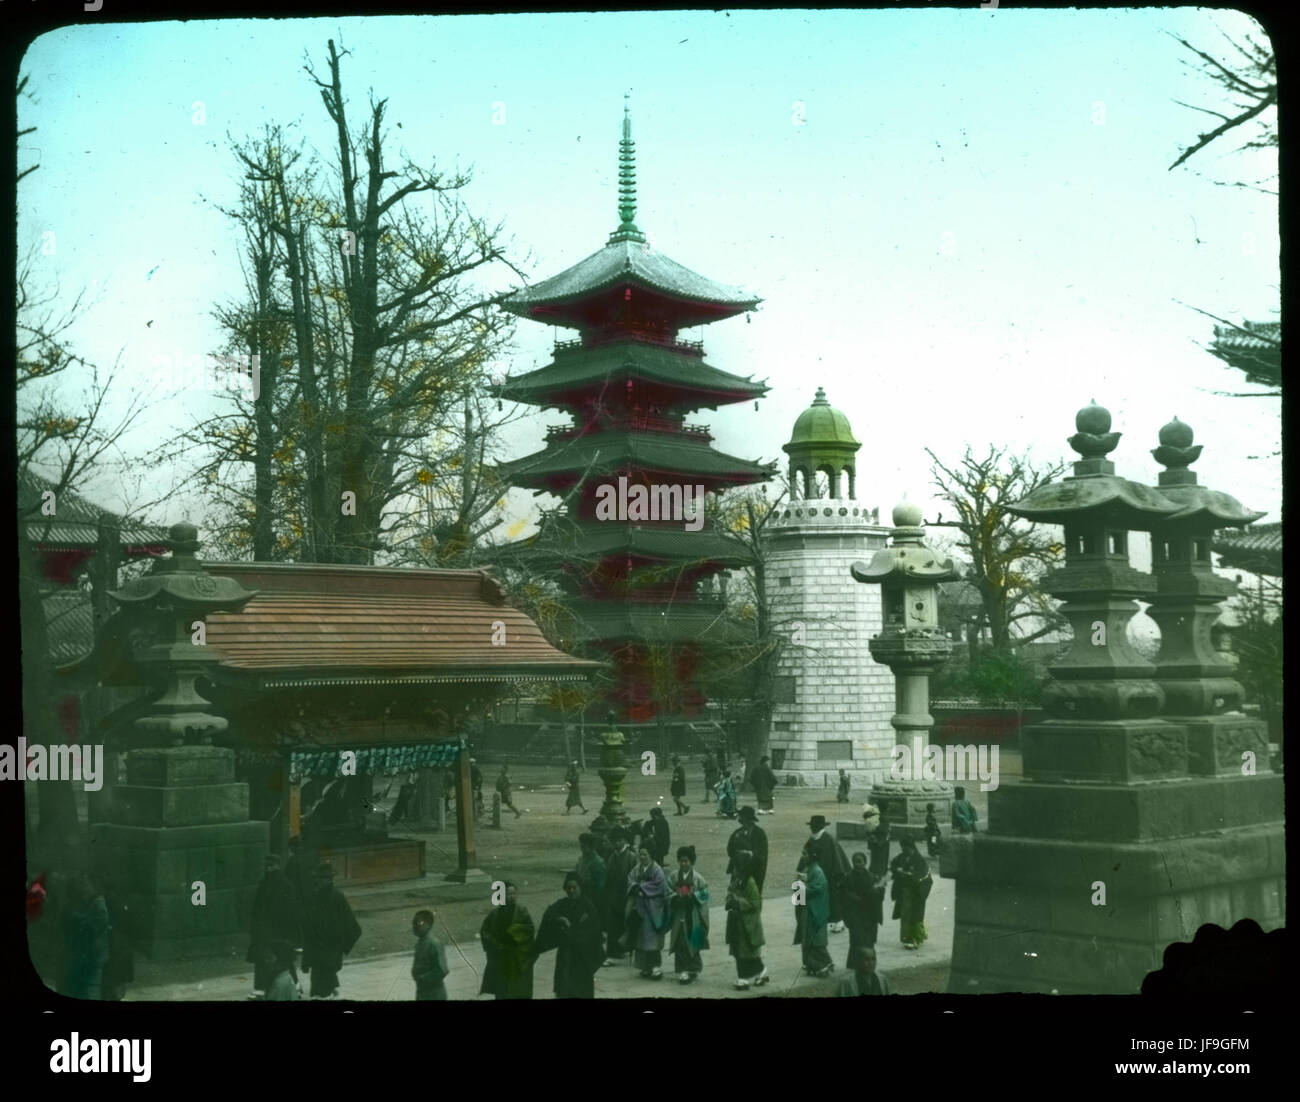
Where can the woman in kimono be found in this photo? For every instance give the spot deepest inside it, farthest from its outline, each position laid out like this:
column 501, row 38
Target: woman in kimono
column 571, row 782
column 507, row 936
column 727, row 795
column 862, row 910
column 690, row 916
column 572, row 927
column 745, row 923
column 812, row 919
column 647, row 915
column 912, row 883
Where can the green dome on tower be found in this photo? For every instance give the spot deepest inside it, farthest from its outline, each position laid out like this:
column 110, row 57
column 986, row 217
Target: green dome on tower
column 822, row 423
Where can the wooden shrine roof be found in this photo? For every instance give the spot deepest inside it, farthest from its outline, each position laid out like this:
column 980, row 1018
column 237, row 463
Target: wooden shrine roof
column 327, row 624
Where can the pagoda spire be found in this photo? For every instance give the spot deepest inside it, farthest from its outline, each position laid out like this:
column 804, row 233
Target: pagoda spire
column 627, row 228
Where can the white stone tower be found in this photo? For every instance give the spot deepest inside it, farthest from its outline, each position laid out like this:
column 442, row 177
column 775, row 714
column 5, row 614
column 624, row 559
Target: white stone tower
column 833, row 702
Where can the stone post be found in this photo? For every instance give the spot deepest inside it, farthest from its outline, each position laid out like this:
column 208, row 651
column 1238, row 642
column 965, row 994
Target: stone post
column 612, row 773
column 1111, row 848
column 912, row 645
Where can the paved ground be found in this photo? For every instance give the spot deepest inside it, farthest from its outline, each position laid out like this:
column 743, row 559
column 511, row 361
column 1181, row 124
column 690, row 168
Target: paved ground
column 536, row 850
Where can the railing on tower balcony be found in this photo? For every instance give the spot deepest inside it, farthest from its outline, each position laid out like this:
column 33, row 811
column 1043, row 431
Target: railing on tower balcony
column 695, row 348
column 562, row 432
column 635, row 423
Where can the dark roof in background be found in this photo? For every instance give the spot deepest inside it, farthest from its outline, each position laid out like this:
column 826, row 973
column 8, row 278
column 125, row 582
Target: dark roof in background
column 1257, row 548
column 76, row 520
column 1258, row 336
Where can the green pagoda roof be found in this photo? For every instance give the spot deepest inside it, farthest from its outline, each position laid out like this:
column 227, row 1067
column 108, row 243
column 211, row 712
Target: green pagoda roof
column 601, row 539
column 617, row 453
column 623, row 262
column 822, row 423
column 577, row 368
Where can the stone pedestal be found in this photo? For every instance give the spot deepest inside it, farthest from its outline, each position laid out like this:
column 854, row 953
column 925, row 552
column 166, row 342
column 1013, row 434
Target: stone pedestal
column 180, row 818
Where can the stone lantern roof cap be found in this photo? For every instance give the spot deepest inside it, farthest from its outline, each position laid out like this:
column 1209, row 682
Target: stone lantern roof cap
column 822, row 424
column 1205, row 507
column 182, row 579
column 907, row 557
column 1094, row 489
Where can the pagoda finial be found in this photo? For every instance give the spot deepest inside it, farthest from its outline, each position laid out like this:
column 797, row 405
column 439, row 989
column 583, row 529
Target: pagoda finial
column 627, row 227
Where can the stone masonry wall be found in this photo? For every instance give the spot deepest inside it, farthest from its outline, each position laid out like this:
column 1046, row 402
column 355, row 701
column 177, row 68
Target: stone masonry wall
column 840, row 693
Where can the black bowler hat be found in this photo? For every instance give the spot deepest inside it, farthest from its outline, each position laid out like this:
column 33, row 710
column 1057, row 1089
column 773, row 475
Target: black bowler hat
column 747, row 813
column 817, row 822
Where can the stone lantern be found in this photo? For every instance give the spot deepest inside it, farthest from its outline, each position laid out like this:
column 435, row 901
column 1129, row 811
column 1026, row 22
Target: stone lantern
column 1124, row 833
column 612, row 772
column 172, row 602
column 181, row 819
column 912, row 645
column 1200, row 691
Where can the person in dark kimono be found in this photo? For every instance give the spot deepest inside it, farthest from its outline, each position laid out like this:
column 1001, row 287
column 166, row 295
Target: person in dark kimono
column 429, row 969
column 617, row 871
column 330, row 932
column 503, row 787
column 574, row 798
column 932, row 835
column 764, row 782
column 119, row 969
column 749, row 838
column 277, row 916
column 811, row 919
column 87, row 931
column 877, row 844
column 689, row 901
column 912, row 884
column 656, row 835
column 283, row 987
column 964, row 815
column 711, row 774
column 508, row 936
column 842, row 792
column 745, row 923
column 862, row 910
column 834, row 865
column 865, row 980
column 647, row 915
column 572, row 927
column 678, row 787
column 590, row 870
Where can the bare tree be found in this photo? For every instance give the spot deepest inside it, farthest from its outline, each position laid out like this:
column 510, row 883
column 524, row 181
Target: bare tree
column 1248, row 78
column 374, row 342
column 1007, row 555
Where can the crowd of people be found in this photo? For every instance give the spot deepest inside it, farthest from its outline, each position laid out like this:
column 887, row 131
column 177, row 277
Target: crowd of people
column 623, row 901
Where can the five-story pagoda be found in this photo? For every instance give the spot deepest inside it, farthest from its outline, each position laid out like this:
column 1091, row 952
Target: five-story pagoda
column 636, row 562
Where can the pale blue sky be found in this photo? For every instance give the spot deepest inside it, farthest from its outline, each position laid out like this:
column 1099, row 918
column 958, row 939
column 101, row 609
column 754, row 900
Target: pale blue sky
column 974, row 232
